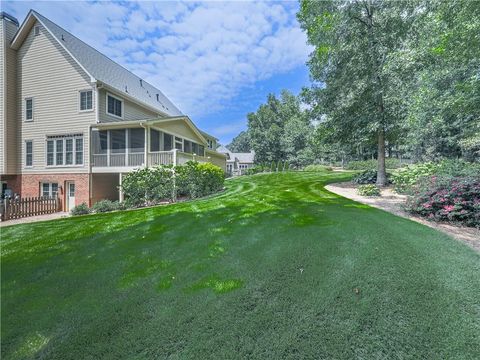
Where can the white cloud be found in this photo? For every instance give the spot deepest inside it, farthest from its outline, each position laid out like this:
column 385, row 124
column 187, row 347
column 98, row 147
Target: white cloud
column 199, row 54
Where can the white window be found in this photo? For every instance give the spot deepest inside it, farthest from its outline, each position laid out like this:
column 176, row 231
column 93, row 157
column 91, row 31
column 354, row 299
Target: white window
column 65, row 150
column 28, row 153
column 28, row 109
column 114, row 106
column 178, row 143
column 37, row 30
column 86, row 100
column 49, row 189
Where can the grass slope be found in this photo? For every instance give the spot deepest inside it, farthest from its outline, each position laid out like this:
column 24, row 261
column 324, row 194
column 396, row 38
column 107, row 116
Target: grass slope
column 219, row 278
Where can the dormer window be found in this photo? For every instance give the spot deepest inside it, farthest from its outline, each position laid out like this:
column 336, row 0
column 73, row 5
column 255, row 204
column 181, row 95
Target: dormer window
column 141, row 83
column 114, row 106
column 36, row 30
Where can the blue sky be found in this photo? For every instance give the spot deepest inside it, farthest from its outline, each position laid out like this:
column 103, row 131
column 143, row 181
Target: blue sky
column 217, row 61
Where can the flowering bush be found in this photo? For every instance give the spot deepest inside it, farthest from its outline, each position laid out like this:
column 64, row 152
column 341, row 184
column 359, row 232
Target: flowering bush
column 455, row 199
column 405, row 180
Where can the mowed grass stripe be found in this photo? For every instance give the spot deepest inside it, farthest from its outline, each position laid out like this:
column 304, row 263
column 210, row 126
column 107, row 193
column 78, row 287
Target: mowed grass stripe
column 220, row 278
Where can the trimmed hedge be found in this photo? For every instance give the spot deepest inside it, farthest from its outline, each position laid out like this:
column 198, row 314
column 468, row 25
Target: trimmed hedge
column 315, row 167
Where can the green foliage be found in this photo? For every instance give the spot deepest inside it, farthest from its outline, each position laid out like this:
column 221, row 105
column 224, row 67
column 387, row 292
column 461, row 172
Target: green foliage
column 390, row 163
column 368, row 177
column 280, row 130
column 195, row 179
column 257, row 169
column 148, row 186
column 446, row 198
column 319, row 168
column 81, row 209
column 240, row 143
column 103, row 206
column 369, row 190
column 405, row 180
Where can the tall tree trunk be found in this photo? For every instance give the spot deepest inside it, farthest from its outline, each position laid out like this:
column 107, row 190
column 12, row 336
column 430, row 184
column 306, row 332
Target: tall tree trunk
column 381, row 171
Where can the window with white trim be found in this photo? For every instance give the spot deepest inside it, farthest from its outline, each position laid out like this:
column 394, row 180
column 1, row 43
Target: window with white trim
column 178, row 143
column 28, row 153
column 37, row 30
column 86, row 100
column 28, row 109
column 114, row 106
column 65, row 150
column 49, row 189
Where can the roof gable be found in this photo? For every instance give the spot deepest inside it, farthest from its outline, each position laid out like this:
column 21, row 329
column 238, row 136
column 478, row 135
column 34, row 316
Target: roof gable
column 99, row 67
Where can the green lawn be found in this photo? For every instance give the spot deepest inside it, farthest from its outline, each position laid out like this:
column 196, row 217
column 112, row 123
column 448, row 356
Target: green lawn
column 219, row 278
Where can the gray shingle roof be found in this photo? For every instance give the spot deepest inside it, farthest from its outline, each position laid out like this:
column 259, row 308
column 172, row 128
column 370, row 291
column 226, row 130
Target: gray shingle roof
column 241, row 157
column 109, row 72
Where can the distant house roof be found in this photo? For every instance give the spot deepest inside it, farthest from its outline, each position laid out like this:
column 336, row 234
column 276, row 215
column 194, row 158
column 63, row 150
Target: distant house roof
column 241, row 157
column 100, row 67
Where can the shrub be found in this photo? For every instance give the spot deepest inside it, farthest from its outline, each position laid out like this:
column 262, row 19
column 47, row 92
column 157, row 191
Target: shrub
column 446, row 198
column 103, row 206
column 256, row 169
column 390, row 163
column 198, row 179
column 368, row 177
column 405, row 180
column 369, row 190
column 148, row 186
column 81, row 209
column 314, row 167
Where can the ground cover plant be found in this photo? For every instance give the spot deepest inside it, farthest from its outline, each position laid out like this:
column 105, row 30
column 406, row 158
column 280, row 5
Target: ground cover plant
column 369, row 190
column 453, row 199
column 274, row 267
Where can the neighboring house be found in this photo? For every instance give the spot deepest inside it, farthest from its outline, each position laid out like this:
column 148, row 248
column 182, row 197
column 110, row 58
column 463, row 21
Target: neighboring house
column 73, row 121
column 237, row 163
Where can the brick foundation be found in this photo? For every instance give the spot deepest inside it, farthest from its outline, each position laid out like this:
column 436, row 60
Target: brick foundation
column 14, row 182
column 31, row 186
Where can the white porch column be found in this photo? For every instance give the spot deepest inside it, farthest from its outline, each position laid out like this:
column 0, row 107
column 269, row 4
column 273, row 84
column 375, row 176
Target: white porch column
column 147, row 145
column 174, row 156
column 120, row 191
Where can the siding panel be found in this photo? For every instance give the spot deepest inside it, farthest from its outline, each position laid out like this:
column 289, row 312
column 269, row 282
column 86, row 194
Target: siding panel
column 131, row 110
column 53, row 79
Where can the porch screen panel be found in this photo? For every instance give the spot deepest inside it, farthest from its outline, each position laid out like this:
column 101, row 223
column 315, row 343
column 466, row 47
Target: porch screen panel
column 155, row 143
column 167, row 142
column 187, row 146
column 136, row 140
column 100, row 142
column 117, row 141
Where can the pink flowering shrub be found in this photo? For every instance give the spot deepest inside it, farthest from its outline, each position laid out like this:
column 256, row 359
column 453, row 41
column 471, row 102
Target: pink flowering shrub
column 453, row 199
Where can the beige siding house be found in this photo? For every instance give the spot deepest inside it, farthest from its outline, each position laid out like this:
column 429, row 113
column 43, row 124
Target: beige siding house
column 73, row 122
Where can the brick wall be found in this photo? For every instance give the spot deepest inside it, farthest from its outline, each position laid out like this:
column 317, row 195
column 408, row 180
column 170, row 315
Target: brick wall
column 31, row 186
column 14, row 182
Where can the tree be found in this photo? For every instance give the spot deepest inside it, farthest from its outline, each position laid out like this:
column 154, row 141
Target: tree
column 278, row 130
column 240, row 143
column 353, row 41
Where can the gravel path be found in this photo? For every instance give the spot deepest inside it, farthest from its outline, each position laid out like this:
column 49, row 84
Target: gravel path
column 393, row 203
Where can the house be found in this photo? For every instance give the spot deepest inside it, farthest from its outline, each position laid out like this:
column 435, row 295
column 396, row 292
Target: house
column 237, row 163
column 73, row 121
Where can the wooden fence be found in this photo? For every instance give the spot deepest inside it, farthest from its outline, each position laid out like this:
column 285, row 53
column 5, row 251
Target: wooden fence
column 24, row 207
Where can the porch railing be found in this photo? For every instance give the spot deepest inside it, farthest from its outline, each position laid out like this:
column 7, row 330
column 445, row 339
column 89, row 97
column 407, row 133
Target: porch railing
column 160, row 158
column 138, row 159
